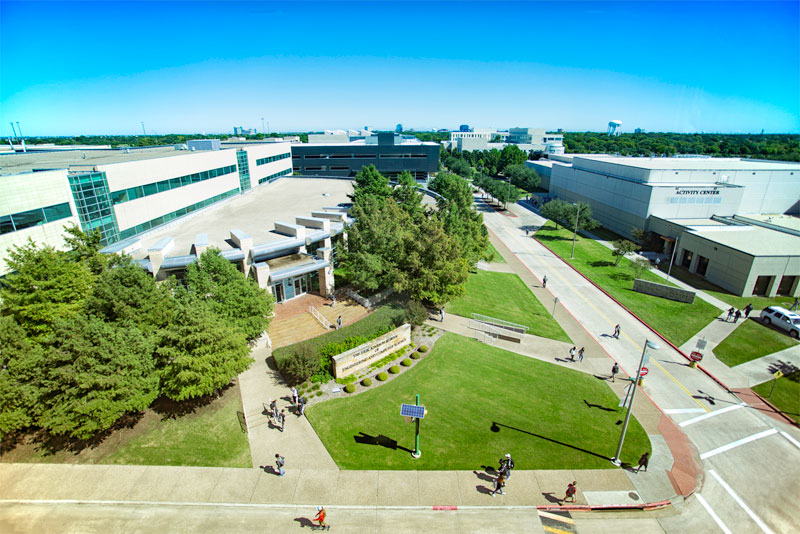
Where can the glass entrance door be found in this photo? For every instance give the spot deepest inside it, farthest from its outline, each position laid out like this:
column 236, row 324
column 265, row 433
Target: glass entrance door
column 300, row 286
column 277, row 291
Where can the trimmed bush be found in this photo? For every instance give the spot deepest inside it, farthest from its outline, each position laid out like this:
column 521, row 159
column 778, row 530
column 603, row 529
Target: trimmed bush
column 394, row 369
column 382, row 376
column 423, row 348
column 416, row 355
column 350, row 388
column 406, row 363
column 318, row 393
column 367, row 382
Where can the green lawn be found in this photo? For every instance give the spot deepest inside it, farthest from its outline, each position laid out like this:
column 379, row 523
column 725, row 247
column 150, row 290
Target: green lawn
column 211, row 437
column 505, row 296
column 547, row 417
column 676, row 321
column 496, row 256
column 786, row 395
column 750, row 341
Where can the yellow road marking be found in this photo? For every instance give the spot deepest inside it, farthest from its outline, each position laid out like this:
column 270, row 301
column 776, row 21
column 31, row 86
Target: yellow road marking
column 556, row 517
column 627, row 338
column 555, row 530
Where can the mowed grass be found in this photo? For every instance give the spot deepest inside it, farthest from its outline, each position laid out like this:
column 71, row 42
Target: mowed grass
column 496, row 256
column 676, row 321
column 546, row 416
column 211, row 437
column 749, row 341
column 786, row 395
column 505, row 296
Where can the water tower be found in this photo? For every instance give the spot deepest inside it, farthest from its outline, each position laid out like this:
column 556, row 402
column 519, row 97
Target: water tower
column 613, row 127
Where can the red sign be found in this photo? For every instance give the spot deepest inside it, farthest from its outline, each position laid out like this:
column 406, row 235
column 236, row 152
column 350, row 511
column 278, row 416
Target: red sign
column 696, row 356
column 645, row 370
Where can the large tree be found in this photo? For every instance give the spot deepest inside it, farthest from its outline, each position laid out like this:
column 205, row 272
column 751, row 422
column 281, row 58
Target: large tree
column 406, row 195
column 21, row 367
column 95, row 372
column 235, row 299
column 512, row 155
column 198, row 354
column 370, row 182
column 453, row 188
column 523, row 177
column 459, row 217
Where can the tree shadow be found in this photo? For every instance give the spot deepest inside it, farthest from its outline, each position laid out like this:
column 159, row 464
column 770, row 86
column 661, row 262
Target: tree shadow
column 380, row 439
column 622, row 277
column 547, row 237
column 602, row 263
column 788, row 369
column 589, row 405
column 171, row 409
column 242, row 422
column 496, row 428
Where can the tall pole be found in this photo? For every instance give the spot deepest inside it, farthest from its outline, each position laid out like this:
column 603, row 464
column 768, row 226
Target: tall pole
column 615, row 460
column 417, row 453
column 577, row 214
column 508, row 195
column 263, row 131
column 672, row 258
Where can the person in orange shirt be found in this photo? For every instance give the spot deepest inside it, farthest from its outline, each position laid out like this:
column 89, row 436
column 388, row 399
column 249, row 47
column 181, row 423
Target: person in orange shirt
column 320, row 518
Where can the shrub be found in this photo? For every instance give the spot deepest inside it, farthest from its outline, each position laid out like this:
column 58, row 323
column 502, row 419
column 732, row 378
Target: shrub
column 416, row 314
column 349, row 379
column 350, row 388
column 423, row 348
column 367, row 382
column 394, row 369
column 416, row 355
column 318, row 393
column 382, row 376
column 301, row 365
column 406, row 363
column 315, row 387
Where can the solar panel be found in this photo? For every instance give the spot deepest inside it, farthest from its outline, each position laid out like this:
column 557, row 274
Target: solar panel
column 412, row 410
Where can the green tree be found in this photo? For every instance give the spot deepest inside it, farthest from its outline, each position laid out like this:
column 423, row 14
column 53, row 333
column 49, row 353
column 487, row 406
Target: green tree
column 511, row 155
column 555, row 210
column 583, row 211
column 407, row 196
column 95, row 373
column 44, row 285
column 198, row 354
column 460, row 167
column 85, row 248
column 523, row 177
column 639, row 266
column 369, row 182
column 21, row 366
column 453, row 188
column 621, row 248
column 234, row 298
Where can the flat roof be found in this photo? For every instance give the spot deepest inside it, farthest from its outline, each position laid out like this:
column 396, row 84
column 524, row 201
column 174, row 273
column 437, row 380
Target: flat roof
column 791, row 222
column 753, row 240
column 725, row 164
column 697, row 222
column 25, row 162
column 254, row 213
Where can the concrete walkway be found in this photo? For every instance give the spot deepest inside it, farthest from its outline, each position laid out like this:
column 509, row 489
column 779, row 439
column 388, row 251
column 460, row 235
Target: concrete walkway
column 762, row 369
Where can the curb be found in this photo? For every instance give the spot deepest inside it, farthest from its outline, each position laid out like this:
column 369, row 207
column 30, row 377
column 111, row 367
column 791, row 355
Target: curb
column 777, row 410
column 665, row 340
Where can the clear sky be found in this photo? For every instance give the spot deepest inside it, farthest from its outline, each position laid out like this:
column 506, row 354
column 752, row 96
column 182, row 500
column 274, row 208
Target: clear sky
column 70, row 68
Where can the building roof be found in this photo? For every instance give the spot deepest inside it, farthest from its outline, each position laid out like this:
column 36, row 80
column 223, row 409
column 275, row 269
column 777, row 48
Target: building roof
column 752, row 240
column 699, row 163
column 25, row 162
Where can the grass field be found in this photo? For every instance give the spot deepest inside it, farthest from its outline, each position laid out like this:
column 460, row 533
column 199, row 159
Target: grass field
column 496, row 256
column 211, row 437
column 749, row 341
column 482, row 402
column 786, row 395
column 676, row 321
column 505, row 296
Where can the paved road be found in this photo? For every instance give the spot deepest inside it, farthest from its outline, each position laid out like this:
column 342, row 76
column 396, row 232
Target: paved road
column 751, row 462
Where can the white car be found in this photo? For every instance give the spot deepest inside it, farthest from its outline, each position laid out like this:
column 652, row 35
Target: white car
column 782, row 318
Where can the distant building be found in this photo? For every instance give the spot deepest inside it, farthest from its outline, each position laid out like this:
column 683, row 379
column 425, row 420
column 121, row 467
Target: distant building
column 638, row 130
column 398, row 128
column 536, row 139
column 464, row 128
column 203, row 144
column 238, row 130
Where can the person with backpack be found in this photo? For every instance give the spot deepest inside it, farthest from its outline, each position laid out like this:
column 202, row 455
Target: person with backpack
column 506, row 465
column 572, row 490
column 614, row 371
column 499, row 483
column 279, row 463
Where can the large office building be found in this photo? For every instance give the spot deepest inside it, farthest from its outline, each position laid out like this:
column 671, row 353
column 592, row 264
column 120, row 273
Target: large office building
column 123, row 192
column 390, row 153
column 733, row 221
column 527, row 139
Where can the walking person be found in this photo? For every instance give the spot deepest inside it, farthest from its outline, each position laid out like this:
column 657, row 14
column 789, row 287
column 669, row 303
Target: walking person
column 544, row 281
column 294, row 395
column 614, row 371
column 273, row 405
column 730, row 314
column 508, row 465
column 580, row 354
column 441, row 314
column 736, row 316
column 320, row 519
column 617, row 330
column 643, row 461
column 747, row 310
column 279, row 463
column 795, row 305
column 338, row 322
column 572, row 490
column 302, row 406
column 572, row 354
column 499, row 483
column 333, row 300
column 282, row 420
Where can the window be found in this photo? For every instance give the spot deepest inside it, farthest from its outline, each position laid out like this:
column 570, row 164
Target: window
column 29, row 218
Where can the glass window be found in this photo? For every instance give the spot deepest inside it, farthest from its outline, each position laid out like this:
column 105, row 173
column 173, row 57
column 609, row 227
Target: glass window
column 59, row 211
column 174, row 183
column 150, row 189
column 6, row 226
column 28, row 218
column 119, row 197
column 163, row 186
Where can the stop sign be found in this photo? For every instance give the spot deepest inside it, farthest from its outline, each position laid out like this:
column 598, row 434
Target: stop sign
column 645, row 370
column 696, row 356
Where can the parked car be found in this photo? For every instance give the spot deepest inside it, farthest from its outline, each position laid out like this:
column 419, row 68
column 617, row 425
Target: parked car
column 783, row 319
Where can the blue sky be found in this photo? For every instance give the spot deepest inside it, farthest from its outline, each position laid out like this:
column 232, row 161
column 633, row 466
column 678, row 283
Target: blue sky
column 70, row 68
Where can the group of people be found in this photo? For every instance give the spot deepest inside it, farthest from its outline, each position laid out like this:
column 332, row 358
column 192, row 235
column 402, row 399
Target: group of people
column 572, row 354
column 737, row 314
column 278, row 418
column 503, row 474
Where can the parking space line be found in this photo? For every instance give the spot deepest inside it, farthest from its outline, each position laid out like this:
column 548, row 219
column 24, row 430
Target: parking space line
column 713, row 515
column 740, row 502
column 791, row 439
column 714, row 413
column 736, row 443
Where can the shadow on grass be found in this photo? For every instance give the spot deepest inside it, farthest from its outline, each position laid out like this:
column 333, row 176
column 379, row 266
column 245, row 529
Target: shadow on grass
column 496, row 428
column 589, row 405
column 789, row 370
column 170, row 409
column 380, row 439
column 601, row 263
column 547, row 237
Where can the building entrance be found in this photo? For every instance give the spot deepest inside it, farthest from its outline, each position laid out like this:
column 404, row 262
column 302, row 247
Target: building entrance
column 295, row 286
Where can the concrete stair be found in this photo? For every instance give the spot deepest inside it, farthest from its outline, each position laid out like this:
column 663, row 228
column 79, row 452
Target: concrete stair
column 292, row 325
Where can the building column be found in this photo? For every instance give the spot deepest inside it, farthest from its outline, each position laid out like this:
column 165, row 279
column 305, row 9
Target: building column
column 260, row 273
column 245, row 243
column 694, row 262
column 772, row 289
column 326, row 281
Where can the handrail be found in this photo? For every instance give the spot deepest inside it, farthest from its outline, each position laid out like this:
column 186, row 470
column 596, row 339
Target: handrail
column 319, row 317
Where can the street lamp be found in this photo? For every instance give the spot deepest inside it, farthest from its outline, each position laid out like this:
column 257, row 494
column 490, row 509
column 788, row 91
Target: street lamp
column 508, row 195
column 577, row 214
column 672, row 258
column 615, row 460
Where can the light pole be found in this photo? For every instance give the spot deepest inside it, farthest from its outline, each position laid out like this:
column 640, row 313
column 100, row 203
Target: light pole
column 508, row 195
column 577, row 215
column 615, row 460
column 672, row 258
column 263, row 131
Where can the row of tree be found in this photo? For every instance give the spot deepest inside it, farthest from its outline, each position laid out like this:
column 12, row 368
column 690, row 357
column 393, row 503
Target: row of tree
column 86, row 338
column 143, row 140
column 397, row 242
